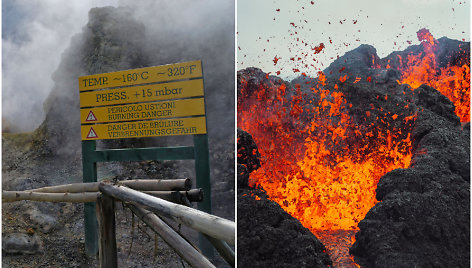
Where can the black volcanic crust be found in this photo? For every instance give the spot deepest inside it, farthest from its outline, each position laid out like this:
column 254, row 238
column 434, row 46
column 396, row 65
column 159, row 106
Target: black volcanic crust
column 269, row 237
column 424, row 217
column 248, row 154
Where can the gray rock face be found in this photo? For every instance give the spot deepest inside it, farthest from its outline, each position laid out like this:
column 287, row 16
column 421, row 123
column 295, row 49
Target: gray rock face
column 21, row 243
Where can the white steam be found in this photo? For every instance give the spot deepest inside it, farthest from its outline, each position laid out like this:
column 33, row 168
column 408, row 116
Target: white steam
column 35, row 33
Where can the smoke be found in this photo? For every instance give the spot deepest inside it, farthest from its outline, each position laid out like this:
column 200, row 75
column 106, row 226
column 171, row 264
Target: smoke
column 187, row 30
column 35, row 33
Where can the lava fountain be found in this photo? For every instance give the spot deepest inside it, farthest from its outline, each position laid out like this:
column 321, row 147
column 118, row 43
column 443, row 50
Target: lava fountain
column 321, row 157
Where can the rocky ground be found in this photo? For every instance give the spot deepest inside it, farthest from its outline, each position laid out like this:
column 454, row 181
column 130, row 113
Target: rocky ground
column 41, row 234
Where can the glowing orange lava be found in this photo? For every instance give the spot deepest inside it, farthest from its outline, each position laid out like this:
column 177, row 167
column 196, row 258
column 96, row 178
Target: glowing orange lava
column 452, row 81
column 310, row 165
column 320, row 164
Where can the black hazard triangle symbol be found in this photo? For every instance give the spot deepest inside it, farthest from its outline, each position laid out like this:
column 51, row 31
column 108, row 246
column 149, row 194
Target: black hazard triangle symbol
column 91, row 117
column 92, row 134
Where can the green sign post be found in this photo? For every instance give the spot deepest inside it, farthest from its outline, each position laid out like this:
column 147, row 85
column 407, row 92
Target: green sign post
column 126, row 95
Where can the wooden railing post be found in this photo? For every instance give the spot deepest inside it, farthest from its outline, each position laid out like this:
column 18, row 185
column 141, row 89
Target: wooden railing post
column 106, row 226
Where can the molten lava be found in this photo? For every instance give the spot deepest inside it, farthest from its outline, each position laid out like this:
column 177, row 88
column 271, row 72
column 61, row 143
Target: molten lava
column 452, row 81
column 317, row 163
column 322, row 156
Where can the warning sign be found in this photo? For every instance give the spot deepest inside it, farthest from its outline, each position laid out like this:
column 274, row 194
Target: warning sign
column 91, row 134
column 162, row 100
column 91, row 117
column 143, row 111
column 141, row 129
column 147, row 75
column 156, row 92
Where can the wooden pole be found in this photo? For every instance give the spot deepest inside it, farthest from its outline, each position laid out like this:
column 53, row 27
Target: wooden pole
column 171, row 196
column 143, row 185
column 173, row 239
column 179, row 197
column 195, row 195
column 203, row 222
column 158, row 185
column 223, row 249
column 88, row 192
column 11, row 196
column 106, row 226
column 69, row 188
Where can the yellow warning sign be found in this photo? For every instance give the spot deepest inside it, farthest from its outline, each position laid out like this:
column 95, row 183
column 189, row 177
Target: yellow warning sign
column 143, row 111
column 155, row 92
column 141, row 129
column 147, row 75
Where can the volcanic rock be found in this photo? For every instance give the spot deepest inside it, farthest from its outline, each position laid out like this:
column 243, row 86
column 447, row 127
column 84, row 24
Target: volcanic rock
column 359, row 62
column 252, row 79
column 248, row 154
column 269, row 237
column 248, row 158
column 448, row 52
column 430, row 98
column 42, row 221
column 424, row 217
column 21, row 243
column 243, row 176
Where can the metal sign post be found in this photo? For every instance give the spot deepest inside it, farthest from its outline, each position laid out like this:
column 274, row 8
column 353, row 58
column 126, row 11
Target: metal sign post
column 148, row 102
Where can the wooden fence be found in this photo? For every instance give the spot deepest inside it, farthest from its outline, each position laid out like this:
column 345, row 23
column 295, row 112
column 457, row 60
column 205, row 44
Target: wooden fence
column 155, row 202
